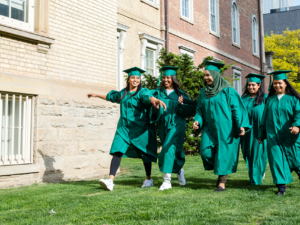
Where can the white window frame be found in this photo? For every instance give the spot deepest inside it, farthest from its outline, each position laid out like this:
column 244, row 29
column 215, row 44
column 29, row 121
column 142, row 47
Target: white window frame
column 121, row 36
column 154, row 3
column 187, row 50
column 256, row 45
column 152, row 43
column 237, row 19
column 19, row 24
column 237, row 74
column 190, row 17
column 153, row 59
column 217, row 17
column 24, row 148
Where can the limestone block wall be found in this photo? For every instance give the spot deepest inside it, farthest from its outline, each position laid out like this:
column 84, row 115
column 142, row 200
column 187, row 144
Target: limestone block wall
column 72, row 137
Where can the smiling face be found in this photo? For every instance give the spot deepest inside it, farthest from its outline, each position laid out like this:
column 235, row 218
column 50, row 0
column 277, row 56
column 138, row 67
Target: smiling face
column 279, row 86
column 253, row 87
column 167, row 82
column 134, row 81
column 208, row 78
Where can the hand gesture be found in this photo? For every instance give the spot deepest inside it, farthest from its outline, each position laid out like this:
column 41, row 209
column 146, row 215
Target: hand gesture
column 180, row 99
column 242, row 131
column 196, row 125
column 294, row 130
column 91, row 95
column 156, row 103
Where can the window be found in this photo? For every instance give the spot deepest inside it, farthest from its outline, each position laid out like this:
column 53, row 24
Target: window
column 214, row 16
column 255, row 43
column 149, row 61
column 186, row 50
column 16, row 129
column 237, row 79
column 154, row 3
column 235, row 24
column 187, row 9
column 17, row 13
column 150, row 50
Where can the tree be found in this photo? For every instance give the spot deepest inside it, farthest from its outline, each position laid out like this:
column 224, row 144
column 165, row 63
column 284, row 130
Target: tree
column 286, row 47
column 192, row 80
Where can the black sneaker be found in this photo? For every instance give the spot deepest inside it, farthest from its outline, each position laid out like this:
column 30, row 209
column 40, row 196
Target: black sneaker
column 220, row 189
column 280, row 193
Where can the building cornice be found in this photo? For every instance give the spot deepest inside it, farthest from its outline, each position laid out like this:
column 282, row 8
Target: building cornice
column 151, row 38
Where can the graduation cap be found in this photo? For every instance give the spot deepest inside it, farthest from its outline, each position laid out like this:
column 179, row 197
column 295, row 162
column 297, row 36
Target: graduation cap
column 279, row 75
column 167, row 71
column 253, row 77
column 211, row 65
column 134, row 71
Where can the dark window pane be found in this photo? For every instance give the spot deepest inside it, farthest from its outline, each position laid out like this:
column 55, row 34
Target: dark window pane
column 4, row 9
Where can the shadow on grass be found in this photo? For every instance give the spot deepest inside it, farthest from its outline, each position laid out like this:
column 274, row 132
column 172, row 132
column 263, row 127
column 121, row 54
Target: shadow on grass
column 192, row 183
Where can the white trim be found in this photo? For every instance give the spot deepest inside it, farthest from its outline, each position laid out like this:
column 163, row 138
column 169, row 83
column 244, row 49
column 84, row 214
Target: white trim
column 253, row 18
column 217, row 18
column 152, row 43
column 186, row 50
column 121, row 36
column 237, row 84
column 190, row 17
column 237, row 19
column 29, row 26
column 153, row 3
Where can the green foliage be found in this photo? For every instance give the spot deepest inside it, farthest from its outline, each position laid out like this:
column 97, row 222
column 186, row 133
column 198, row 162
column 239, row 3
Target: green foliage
column 191, row 79
column 286, row 47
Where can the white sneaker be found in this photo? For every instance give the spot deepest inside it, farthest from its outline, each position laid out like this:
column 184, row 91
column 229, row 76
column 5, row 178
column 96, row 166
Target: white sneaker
column 181, row 178
column 107, row 184
column 165, row 186
column 264, row 176
column 147, row 183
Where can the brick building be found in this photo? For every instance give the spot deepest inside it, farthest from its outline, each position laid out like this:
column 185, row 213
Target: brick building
column 52, row 53
column 228, row 30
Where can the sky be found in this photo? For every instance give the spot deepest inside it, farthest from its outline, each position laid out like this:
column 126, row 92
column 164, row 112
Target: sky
column 297, row 2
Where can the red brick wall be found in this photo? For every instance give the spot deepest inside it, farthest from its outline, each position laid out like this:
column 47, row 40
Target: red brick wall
column 200, row 30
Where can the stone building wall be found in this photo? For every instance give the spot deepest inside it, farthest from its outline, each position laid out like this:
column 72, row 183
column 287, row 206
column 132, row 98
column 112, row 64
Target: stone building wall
column 76, row 56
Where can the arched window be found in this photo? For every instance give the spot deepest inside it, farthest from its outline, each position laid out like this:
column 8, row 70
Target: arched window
column 214, row 16
column 235, row 18
column 255, row 44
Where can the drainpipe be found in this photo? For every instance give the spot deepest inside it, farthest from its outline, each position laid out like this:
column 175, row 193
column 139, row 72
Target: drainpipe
column 260, row 43
column 167, row 23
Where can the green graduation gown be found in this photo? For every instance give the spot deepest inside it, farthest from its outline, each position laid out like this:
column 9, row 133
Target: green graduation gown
column 171, row 128
column 255, row 154
column 135, row 136
column 220, row 118
column 283, row 147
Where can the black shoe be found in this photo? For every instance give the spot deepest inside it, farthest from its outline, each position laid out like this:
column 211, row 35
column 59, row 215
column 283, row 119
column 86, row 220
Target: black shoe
column 280, row 193
column 220, row 189
column 218, row 181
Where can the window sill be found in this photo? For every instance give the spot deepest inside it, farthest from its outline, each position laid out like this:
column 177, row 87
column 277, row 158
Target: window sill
column 187, row 20
column 257, row 56
column 214, row 34
column 43, row 42
column 235, row 45
column 156, row 6
column 19, row 169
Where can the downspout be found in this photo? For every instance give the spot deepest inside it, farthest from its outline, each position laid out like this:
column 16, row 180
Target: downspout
column 167, row 23
column 260, row 44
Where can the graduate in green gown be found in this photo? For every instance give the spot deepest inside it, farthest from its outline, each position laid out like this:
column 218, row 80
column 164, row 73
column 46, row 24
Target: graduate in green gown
column 171, row 124
column 280, row 127
column 135, row 136
column 222, row 117
column 254, row 154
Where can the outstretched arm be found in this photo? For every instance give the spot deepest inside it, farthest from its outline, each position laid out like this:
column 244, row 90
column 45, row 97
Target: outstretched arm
column 96, row 96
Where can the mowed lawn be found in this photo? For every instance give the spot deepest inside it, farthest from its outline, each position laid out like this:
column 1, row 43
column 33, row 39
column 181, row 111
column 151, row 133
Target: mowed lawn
column 86, row 202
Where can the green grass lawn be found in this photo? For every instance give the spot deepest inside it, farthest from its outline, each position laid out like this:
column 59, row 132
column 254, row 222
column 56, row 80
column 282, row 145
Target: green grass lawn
column 85, row 202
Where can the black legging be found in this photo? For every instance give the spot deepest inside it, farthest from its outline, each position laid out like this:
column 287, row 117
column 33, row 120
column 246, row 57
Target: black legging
column 116, row 160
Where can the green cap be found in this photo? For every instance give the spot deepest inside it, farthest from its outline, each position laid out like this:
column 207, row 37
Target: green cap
column 167, row 71
column 134, row 71
column 253, row 77
column 211, row 65
column 278, row 75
